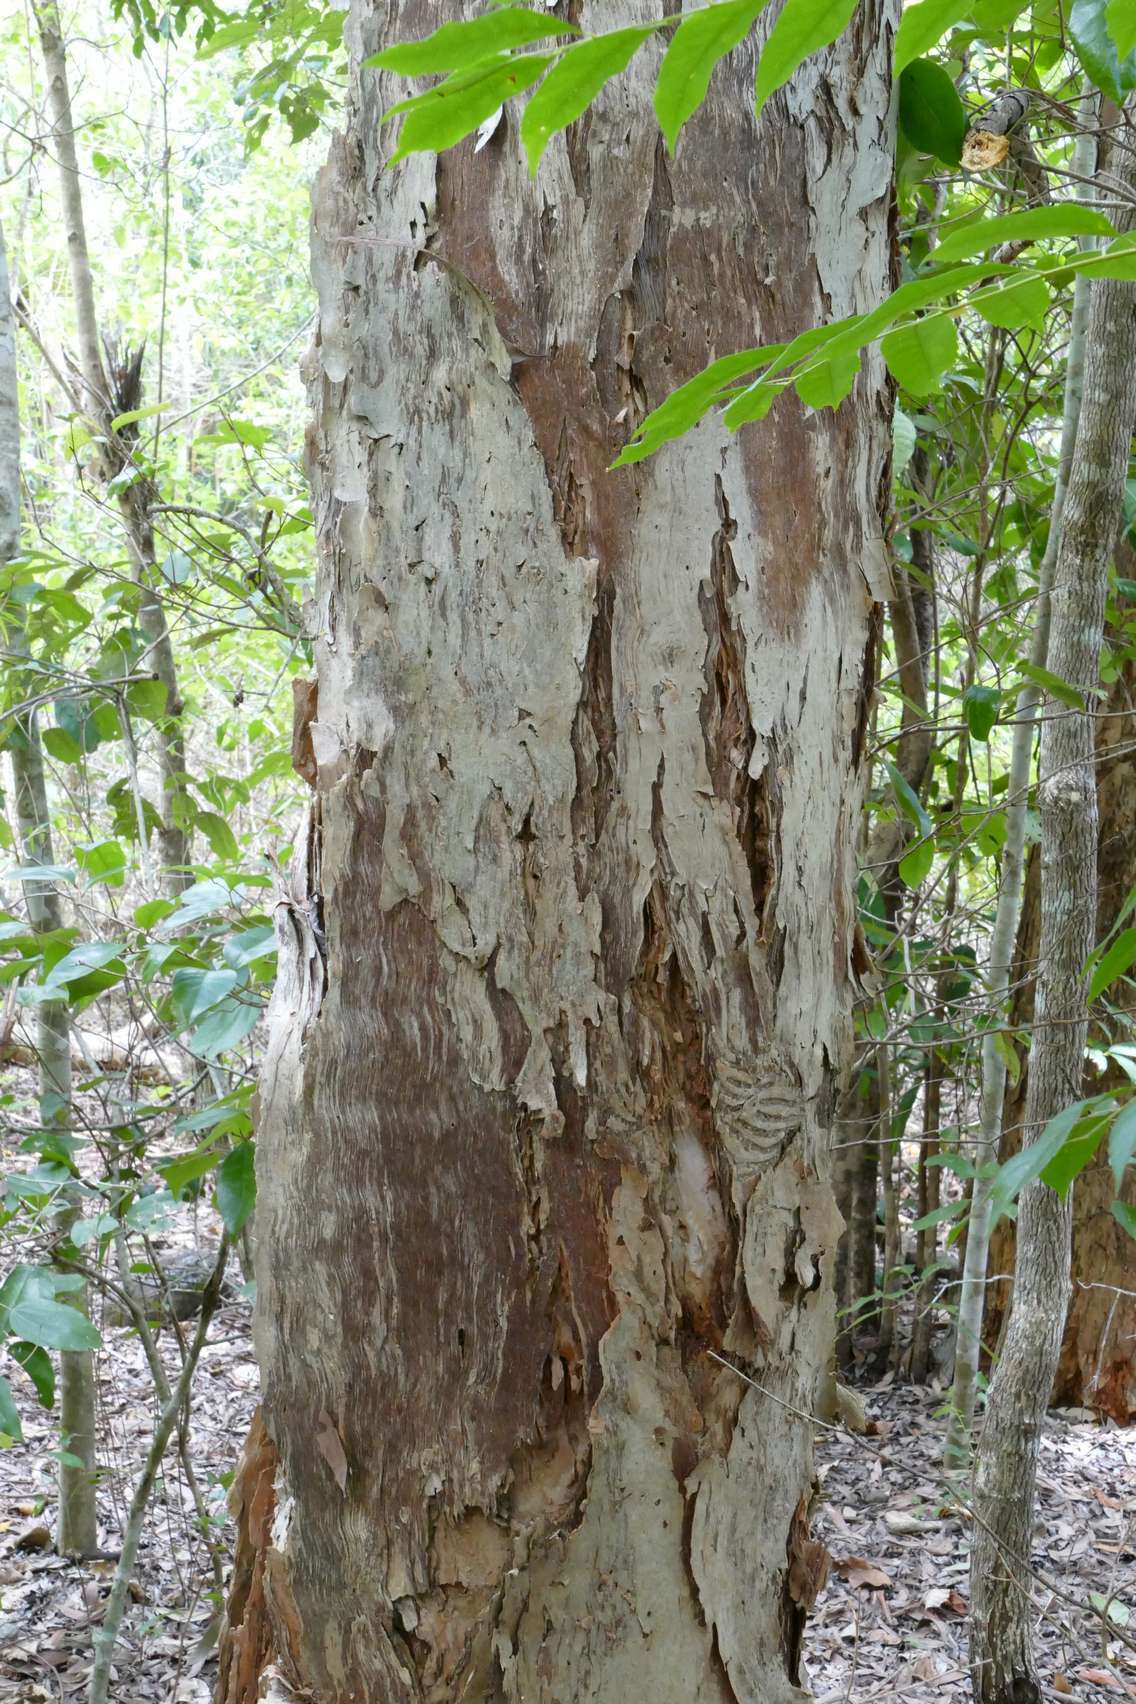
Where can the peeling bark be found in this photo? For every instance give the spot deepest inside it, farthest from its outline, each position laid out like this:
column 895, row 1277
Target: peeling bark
column 587, row 757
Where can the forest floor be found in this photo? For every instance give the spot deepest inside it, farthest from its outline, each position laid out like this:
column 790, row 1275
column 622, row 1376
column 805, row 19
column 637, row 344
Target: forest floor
column 890, row 1625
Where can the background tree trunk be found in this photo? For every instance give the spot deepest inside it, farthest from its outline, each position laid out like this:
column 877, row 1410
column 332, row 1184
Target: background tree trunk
column 1097, row 1367
column 554, row 1136
column 1006, row 1468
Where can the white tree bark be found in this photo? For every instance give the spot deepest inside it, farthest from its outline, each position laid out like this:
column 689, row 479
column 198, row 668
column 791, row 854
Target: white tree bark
column 1006, row 1466
column 587, row 751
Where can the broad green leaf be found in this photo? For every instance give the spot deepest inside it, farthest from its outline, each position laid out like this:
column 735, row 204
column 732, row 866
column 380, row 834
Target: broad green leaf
column 825, row 384
column 1097, row 51
column 147, row 699
column 236, row 1187
column 981, row 704
column 176, row 567
column 152, row 911
column 81, row 960
column 10, row 1426
column 903, row 440
column 434, row 121
column 194, row 991
column 931, row 116
column 1062, row 219
column 1029, row 1163
column 1122, row 1142
column 104, row 861
column 1120, row 18
column 224, row 1027
column 915, row 866
column 455, row 47
column 1119, row 958
column 702, row 38
column 250, row 946
column 1018, row 303
column 39, row 1367
column 52, row 1325
column 1075, row 1154
column 186, row 1168
column 923, row 24
column 1053, row 685
column 39, row 873
column 60, row 745
column 574, row 82
column 919, row 354
column 803, row 27
column 222, row 840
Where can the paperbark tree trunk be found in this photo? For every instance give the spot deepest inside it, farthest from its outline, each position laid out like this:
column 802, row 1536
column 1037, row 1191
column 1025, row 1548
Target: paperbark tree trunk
column 1006, row 1467
column 547, row 1133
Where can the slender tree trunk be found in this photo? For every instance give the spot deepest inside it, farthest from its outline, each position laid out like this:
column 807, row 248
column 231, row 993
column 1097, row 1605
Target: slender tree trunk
column 1006, row 1467
column 1097, row 1367
column 972, row 1295
column 554, row 1136
column 106, row 396
column 77, row 1526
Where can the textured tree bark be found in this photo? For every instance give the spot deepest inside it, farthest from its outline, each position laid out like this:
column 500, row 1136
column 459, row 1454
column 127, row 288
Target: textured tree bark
column 587, row 751
column 1006, row 1467
column 1097, row 1364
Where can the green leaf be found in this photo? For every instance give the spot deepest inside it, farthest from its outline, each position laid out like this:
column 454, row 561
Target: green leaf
column 104, row 861
column 455, row 47
column 1097, row 51
column 135, row 414
column 1029, row 1163
column 1126, row 1216
column 803, row 27
column 1062, row 219
column 250, row 946
column 825, row 384
column 222, row 840
column 701, row 40
column 39, row 873
column 10, row 1426
column 1075, row 1154
column 923, row 24
column 686, row 405
column 903, row 440
column 60, row 745
column 908, row 800
column 1022, row 302
column 931, row 116
column 236, row 1187
column 38, row 1365
column 186, row 1168
column 940, row 1215
column 574, row 82
column 194, row 991
column 147, row 699
column 1053, row 685
column 224, row 1027
column 1122, row 1142
column 52, row 1325
column 81, row 960
column 437, row 119
column 981, row 704
column 152, row 911
column 1119, row 958
column 919, row 354
column 915, row 866
column 176, row 567
column 1120, row 17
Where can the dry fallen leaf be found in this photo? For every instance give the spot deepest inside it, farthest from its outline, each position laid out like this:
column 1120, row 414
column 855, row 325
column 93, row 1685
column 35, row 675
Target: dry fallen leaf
column 1062, row 1683
column 860, row 1572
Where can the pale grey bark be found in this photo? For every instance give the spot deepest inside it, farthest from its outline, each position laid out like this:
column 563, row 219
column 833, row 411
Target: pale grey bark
column 76, row 1528
column 588, row 756
column 1010, row 881
column 1006, row 1466
column 136, row 502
